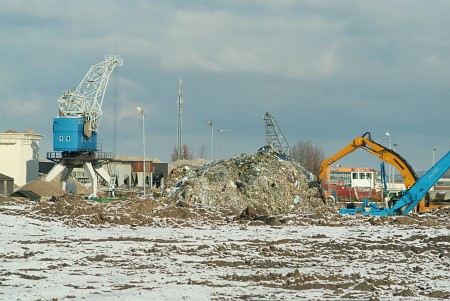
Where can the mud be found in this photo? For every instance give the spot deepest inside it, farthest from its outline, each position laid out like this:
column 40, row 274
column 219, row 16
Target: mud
column 230, row 253
column 248, row 228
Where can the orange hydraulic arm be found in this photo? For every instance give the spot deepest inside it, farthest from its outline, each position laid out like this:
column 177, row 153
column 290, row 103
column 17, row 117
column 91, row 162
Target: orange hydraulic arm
column 385, row 154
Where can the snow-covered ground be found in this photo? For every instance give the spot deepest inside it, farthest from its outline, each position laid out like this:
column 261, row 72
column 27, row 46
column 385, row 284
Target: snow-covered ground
column 48, row 260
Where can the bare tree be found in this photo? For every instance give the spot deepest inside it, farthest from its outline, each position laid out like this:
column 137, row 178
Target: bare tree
column 202, row 151
column 308, row 155
column 185, row 154
column 174, row 155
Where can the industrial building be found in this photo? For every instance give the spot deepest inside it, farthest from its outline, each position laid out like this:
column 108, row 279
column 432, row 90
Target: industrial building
column 350, row 182
column 20, row 156
column 6, row 185
column 126, row 173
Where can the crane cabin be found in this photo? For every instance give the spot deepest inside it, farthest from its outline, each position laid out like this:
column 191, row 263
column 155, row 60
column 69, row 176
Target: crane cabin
column 70, row 134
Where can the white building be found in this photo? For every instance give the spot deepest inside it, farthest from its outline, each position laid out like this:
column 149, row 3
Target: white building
column 19, row 156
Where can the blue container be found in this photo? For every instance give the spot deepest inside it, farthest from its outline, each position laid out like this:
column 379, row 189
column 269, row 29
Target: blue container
column 68, row 135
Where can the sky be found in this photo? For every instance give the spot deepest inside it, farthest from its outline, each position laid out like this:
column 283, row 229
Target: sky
column 327, row 71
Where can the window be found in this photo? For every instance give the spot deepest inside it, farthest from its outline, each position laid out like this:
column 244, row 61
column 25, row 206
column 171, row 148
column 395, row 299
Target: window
column 341, row 178
column 67, row 138
column 443, row 183
column 61, row 138
column 355, row 176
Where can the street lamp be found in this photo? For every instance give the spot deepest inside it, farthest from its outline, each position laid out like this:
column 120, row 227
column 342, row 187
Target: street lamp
column 390, row 140
column 220, row 140
column 211, row 125
column 141, row 112
column 434, row 150
column 390, row 166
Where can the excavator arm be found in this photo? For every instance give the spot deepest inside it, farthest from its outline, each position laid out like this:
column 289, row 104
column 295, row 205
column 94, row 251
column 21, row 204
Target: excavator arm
column 385, row 154
column 410, row 199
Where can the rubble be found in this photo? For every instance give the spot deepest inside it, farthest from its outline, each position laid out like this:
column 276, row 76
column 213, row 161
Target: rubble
column 266, row 179
column 250, row 221
column 264, row 188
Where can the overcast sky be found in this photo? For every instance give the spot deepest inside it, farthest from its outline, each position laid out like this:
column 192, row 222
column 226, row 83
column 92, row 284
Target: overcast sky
column 328, row 71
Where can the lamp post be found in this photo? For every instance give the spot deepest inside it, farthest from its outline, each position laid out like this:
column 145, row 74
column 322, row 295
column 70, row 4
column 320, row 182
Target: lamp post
column 434, row 150
column 211, row 125
column 390, row 167
column 220, row 140
column 141, row 112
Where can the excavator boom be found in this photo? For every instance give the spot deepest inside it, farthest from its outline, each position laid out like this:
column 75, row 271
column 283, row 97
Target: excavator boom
column 385, row 154
column 410, row 199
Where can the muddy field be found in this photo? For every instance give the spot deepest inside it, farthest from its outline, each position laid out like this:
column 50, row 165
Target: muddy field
column 145, row 249
column 248, row 228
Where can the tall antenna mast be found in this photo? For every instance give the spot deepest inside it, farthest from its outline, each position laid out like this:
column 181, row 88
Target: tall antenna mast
column 115, row 115
column 180, row 121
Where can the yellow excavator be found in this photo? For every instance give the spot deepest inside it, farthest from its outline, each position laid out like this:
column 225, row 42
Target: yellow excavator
column 385, row 154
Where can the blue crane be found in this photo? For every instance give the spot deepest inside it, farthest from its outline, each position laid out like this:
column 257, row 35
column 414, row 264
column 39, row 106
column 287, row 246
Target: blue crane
column 410, row 198
column 76, row 125
column 80, row 111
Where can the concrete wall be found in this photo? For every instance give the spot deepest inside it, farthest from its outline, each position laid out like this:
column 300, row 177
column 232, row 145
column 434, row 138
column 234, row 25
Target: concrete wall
column 20, row 156
column 122, row 172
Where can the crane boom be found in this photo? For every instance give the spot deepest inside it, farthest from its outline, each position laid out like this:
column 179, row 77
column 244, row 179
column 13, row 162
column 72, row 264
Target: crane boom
column 274, row 136
column 80, row 111
column 87, row 99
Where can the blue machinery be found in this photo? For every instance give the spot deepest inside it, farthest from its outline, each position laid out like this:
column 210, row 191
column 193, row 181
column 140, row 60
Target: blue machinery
column 383, row 175
column 410, row 198
column 75, row 127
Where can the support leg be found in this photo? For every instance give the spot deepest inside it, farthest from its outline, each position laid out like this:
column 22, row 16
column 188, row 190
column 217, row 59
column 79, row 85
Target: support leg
column 104, row 174
column 65, row 176
column 92, row 176
column 56, row 170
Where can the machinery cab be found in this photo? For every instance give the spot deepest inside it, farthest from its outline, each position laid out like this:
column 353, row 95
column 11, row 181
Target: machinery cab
column 71, row 134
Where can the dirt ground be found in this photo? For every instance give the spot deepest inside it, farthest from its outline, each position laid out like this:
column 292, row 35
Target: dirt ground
column 78, row 211
column 176, row 250
column 248, row 228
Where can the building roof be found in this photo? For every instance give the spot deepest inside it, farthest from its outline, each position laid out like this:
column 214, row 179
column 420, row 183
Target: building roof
column 136, row 158
column 26, row 194
column 30, row 134
column 5, row 177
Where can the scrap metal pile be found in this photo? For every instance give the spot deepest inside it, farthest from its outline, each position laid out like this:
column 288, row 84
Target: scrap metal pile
column 266, row 179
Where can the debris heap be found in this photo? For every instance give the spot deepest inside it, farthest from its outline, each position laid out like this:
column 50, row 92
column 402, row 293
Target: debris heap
column 266, row 179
